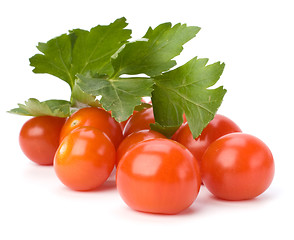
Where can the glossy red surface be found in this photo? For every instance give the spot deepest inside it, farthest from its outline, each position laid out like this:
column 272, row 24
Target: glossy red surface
column 237, row 166
column 39, row 138
column 217, row 128
column 158, row 176
column 139, row 121
column 94, row 117
column 84, row 159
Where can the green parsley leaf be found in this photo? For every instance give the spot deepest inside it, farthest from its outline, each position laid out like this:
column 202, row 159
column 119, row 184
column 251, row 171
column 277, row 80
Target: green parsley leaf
column 56, row 58
column 93, row 62
column 80, row 99
column 33, row 107
column 185, row 90
column 142, row 106
column 167, row 131
column 152, row 55
column 92, row 50
column 81, row 51
column 120, row 95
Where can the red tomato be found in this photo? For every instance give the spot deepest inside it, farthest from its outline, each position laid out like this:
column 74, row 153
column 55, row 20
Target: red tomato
column 218, row 127
column 139, row 121
column 135, row 138
column 158, row 176
column 84, row 159
column 237, row 166
column 39, row 138
column 175, row 136
column 184, row 118
column 123, row 124
column 94, row 117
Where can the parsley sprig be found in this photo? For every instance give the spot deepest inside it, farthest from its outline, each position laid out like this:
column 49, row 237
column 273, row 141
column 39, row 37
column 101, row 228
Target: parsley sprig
column 104, row 64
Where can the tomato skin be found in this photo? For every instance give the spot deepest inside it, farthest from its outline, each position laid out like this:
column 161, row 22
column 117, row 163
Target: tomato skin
column 94, row 117
column 134, row 138
column 237, row 166
column 158, row 176
column 84, row 159
column 39, row 138
column 216, row 128
column 139, row 121
column 175, row 135
column 123, row 123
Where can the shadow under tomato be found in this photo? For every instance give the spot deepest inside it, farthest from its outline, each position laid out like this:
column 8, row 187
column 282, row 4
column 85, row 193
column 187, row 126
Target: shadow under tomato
column 107, row 186
column 193, row 209
column 39, row 173
column 213, row 203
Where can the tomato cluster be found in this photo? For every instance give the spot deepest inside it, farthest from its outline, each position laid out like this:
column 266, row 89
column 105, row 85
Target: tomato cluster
column 153, row 174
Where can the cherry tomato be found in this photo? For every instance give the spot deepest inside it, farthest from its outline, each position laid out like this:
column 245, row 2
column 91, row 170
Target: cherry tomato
column 135, row 138
column 175, row 135
column 94, row 117
column 218, row 127
column 158, row 176
column 39, row 138
column 84, row 159
column 139, row 121
column 123, row 123
column 237, row 166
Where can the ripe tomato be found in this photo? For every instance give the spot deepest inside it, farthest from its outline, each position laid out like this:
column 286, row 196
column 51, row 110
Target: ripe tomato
column 237, row 166
column 135, row 138
column 94, row 117
column 218, row 127
column 39, row 138
column 139, row 121
column 123, row 123
column 84, row 159
column 175, row 135
column 158, row 176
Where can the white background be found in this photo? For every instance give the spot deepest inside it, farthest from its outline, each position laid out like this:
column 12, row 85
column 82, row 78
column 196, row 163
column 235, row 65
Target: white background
column 255, row 40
